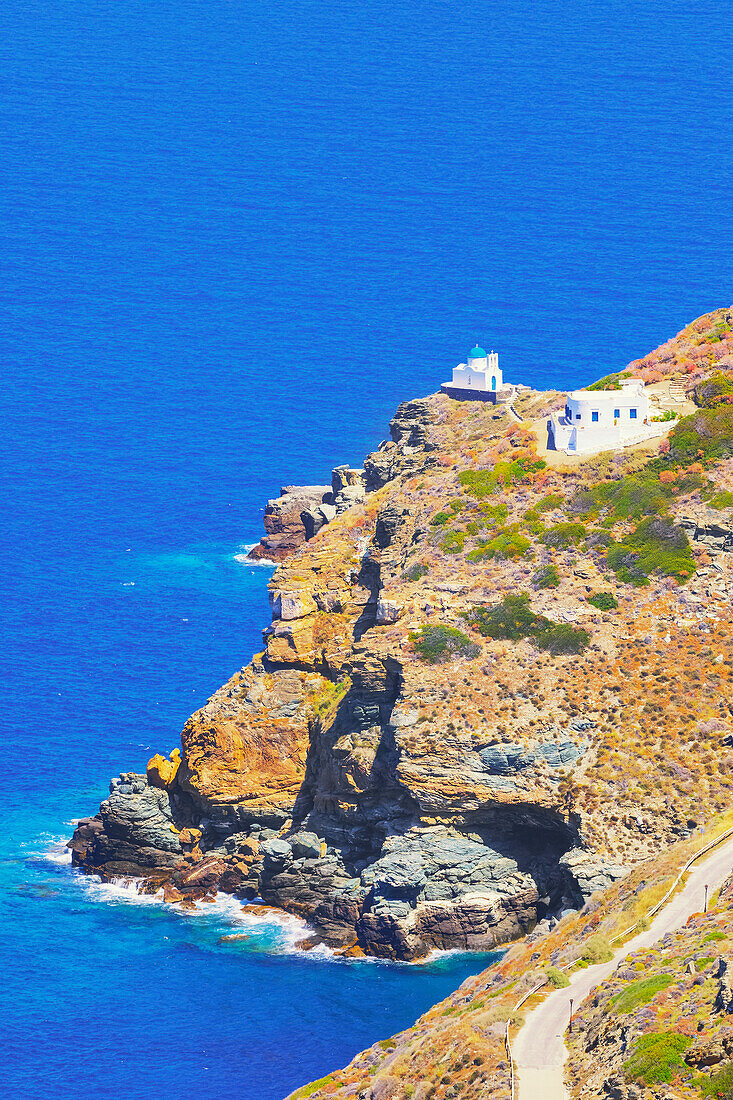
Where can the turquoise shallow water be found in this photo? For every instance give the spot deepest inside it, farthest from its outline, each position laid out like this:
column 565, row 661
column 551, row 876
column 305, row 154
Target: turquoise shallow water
column 234, row 237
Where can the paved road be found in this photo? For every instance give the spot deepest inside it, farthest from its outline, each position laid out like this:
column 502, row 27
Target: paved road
column 539, row 1048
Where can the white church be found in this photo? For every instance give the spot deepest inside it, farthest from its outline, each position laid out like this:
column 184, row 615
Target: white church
column 479, row 379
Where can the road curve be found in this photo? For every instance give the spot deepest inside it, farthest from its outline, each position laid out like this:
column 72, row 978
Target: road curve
column 539, row 1049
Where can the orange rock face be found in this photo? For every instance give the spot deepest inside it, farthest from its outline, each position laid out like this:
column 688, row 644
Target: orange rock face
column 162, row 772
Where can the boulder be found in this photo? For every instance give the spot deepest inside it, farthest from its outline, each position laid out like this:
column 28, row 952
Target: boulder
column 162, row 772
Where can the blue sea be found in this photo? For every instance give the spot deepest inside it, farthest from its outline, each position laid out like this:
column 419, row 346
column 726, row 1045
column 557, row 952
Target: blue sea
column 234, row 237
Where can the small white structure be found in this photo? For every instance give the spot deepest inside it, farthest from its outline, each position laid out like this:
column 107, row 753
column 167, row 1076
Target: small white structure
column 604, row 420
column 479, row 379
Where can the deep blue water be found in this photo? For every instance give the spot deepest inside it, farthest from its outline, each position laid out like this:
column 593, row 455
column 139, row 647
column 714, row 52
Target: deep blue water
column 234, row 236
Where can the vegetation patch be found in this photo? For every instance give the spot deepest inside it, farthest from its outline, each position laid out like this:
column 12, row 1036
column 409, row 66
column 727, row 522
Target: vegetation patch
column 657, row 1057
column 597, row 949
column 610, row 381
column 711, row 391
column 436, row 643
column 507, row 542
column 604, row 601
column 552, row 500
column 512, row 618
column 719, row 1084
column 415, row 572
column 657, row 545
column 482, row 483
column 453, row 542
column 705, row 436
column 564, row 535
column 556, row 977
column 640, row 992
column 546, row 576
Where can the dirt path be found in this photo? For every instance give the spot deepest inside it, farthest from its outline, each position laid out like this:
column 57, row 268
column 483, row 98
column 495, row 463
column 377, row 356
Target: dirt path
column 539, row 1048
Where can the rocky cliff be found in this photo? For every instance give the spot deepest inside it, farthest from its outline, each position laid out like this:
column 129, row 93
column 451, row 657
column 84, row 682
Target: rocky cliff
column 440, row 741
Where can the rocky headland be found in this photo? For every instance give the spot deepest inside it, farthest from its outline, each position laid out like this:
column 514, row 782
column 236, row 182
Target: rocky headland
column 493, row 683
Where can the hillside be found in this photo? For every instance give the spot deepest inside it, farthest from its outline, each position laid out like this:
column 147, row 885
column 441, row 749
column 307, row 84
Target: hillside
column 492, row 686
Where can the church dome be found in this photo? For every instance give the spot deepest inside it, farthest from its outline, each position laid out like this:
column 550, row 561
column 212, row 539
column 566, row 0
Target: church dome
column 477, row 353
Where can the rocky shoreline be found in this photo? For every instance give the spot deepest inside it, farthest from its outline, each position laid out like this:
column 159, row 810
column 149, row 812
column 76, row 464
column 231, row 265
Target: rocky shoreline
column 401, row 799
column 292, row 785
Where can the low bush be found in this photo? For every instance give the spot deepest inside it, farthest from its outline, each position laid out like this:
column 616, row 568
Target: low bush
column 665, row 418
column 552, row 500
column 482, row 483
column 712, row 390
column 564, row 535
column 453, row 542
column 610, row 381
column 656, row 1057
column 546, row 576
column 559, row 638
column 639, row 992
column 718, row 1084
column 657, row 545
column 597, row 949
column 707, row 435
column 512, row 619
column 436, row 643
column 721, row 499
column 604, row 601
column 507, row 542
column 440, row 519
column 557, row 978
column 415, row 572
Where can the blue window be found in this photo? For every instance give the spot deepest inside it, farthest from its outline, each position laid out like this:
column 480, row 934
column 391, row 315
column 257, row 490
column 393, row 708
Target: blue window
column 568, row 412
column 493, row 382
column 577, row 416
column 617, row 414
column 594, row 417
column 632, row 414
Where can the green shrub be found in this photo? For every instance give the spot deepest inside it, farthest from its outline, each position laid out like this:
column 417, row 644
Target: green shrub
column 722, row 499
column 597, row 949
column 564, row 535
column 656, row 1057
column 712, row 390
column 665, row 418
column 557, row 978
column 604, row 601
column 415, row 572
column 657, row 545
column 437, row 643
column 482, row 483
column 559, row 638
column 712, row 936
column 707, row 435
column 440, row 518
column 719, row 1084
column 513, row 618
column 546, row 576
column 507, row 542
column 552, row 500
column 640, row 992
column 453, row 542
column 610, row 381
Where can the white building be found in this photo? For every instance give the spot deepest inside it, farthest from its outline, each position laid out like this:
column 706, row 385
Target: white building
column 604, row 420
column 479, row 379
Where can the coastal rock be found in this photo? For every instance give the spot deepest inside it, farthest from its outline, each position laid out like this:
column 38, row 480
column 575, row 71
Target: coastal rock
column 286, row 530
column 162, row 772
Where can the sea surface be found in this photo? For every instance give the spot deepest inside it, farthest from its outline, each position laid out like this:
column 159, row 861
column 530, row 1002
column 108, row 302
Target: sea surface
column 233, row 237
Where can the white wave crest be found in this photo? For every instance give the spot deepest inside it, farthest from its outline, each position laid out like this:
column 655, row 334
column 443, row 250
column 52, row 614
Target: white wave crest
column 245, row 559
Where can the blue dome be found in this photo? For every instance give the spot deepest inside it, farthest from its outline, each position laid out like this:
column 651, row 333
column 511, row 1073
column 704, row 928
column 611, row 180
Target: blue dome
column 477, row 353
